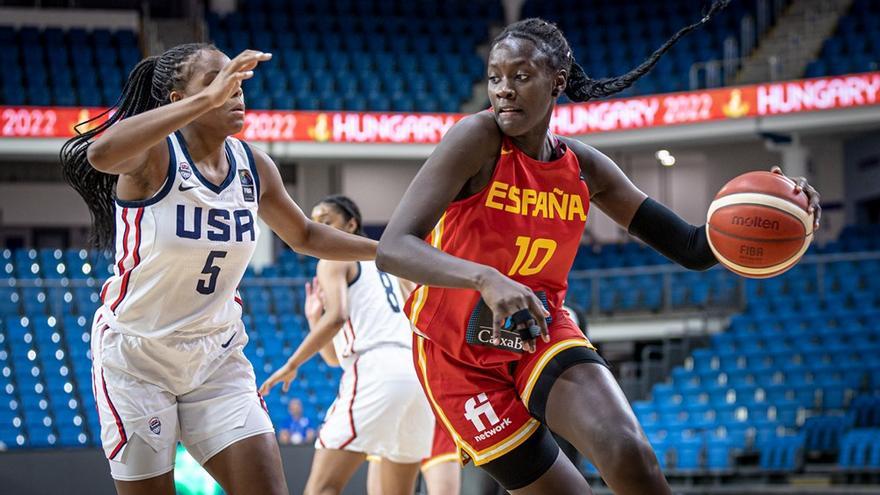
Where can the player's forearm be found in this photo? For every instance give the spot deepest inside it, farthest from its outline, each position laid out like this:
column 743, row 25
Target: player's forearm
column 328, row 354
column 329, row 243
column 320, row 335
column 413, row 259
column 671, row 236
column 135, row 135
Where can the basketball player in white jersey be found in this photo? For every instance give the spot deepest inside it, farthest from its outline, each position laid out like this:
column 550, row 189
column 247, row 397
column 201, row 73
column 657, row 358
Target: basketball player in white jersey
column 380, row 410
column 167, row 341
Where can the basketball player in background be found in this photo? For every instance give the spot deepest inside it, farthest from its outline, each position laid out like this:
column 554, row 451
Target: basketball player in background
column 490, row 227
column 178, row 197
column 380, row 410
column 442, row 470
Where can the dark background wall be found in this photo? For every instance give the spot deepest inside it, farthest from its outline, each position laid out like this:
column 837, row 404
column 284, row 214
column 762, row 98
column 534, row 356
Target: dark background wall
column 85, row 471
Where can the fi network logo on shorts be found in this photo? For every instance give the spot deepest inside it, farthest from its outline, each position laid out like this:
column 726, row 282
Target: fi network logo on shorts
column 477, row 407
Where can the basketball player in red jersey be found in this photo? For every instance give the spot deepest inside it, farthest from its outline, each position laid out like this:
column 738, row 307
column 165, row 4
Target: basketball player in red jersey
column 489, row 228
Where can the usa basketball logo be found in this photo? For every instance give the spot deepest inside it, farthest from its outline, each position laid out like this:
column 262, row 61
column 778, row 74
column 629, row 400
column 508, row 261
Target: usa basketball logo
column 184, row 170
column 155, row 425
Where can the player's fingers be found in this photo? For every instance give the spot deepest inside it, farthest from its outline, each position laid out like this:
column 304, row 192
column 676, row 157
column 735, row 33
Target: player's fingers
column 496, row 330
column 238, row 77
column 540, row 314
column 286, row 386
column 267, row 385
column 776, row 170
column 248, row 59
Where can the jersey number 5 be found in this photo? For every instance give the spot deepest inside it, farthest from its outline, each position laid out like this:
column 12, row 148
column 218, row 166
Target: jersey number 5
column 529, row 249
column 389, row 291
column 212, row 271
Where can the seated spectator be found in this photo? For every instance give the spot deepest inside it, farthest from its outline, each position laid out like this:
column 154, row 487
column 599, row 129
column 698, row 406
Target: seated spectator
column 297, row 430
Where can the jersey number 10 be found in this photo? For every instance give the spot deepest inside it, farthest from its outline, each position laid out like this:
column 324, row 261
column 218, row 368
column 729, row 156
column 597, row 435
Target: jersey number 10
column 525, row 263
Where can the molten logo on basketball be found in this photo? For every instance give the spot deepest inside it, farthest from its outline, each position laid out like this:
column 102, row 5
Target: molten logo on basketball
column 755, row 221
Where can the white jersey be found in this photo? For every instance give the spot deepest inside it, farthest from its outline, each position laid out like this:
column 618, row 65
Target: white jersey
column 376, row 315
column 180, row 255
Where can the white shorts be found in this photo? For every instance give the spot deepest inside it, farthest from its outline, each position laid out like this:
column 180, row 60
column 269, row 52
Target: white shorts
column 381, row 409
column 152, row 393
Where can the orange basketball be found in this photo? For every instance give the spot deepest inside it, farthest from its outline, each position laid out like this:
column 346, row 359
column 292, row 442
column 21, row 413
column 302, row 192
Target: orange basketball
column 758, row 226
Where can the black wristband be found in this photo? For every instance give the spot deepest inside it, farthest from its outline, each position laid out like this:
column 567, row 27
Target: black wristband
column 671, row 236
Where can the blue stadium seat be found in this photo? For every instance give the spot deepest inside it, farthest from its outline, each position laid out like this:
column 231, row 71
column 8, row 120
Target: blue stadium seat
column 782, row 453
column 857, row 448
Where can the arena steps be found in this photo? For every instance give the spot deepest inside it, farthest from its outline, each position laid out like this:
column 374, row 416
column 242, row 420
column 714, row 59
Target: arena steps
column 794, row 42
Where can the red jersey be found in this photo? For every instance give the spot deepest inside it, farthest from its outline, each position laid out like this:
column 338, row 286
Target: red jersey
column 527, row 223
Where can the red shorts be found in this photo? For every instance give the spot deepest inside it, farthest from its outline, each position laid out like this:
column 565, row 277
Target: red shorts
column 486, row 409
column 443, row 449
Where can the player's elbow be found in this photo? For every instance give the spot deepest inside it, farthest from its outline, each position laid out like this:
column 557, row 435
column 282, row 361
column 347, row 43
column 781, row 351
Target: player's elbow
column 700, row 266
column 336, row 318
column 385, row 256
column 697, row 263
column 97, row 157
column 300, row 240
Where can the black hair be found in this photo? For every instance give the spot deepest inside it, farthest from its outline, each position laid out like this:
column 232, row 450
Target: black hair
column 148, row 86
column 348, row 209
column 580, row 87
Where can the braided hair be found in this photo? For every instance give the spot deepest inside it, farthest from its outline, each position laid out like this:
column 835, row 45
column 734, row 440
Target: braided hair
column 148, row 86
column 348, row 209
column 580, row 87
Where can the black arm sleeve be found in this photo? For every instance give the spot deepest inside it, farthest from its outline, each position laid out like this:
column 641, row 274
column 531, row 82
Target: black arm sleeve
column 671, row 236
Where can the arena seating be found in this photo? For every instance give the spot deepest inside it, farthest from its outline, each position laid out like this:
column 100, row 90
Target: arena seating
column 640, row 293
column 790, row 356
column 793, row 374
column 609, row 39
column 361, row 55
column 65, row 67
column 394, row 56
column 855, row 46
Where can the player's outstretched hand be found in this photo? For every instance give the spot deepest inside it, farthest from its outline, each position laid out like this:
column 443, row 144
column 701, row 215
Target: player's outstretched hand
column 314, row 306
column 801, row 184
column 506, row 297
column 285, row 374
column 228, row 80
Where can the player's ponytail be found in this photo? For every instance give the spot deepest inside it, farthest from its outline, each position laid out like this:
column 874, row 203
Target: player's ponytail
column 97, row 188
column 348, row 209
column 148, row 86
column 580, row 87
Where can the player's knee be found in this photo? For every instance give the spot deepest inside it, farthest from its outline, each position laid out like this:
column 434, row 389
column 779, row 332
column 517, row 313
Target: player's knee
column 322, row 490
column 322, row 487
column 631, row 456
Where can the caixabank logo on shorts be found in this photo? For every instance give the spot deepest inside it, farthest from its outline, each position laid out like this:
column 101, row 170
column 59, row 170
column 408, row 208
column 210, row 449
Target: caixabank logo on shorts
column 479, row 407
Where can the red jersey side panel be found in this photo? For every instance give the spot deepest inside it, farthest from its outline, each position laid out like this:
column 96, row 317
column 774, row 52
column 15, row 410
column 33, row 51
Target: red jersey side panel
column 527, row 223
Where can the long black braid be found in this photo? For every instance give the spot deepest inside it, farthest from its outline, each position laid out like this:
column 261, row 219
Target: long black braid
column 348, row 208
column 148, row 86
column 580, row 87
